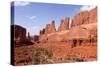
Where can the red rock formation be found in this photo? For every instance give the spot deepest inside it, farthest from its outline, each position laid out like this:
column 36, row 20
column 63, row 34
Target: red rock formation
column 29, row 35
column 93, row 15
column 20, row 38
column 81, row 18
column 64, row 24
column 85, row 17
column 47, row 29
column 19, row 33
column 42, row 31
column 81, row 31
column 52, row 27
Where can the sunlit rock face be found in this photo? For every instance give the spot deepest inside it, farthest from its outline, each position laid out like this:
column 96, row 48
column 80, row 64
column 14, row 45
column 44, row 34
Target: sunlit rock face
column 85, row 17
column 52, row 27
column 83, row 27
column 64, row 24
column 93, row 15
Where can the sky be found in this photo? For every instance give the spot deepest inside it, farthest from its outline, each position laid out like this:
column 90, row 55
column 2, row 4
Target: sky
column 34, row 16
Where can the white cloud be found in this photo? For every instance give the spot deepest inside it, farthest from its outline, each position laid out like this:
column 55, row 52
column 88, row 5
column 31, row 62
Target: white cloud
column 86, row 8
column 31, row 17
column 21, row 3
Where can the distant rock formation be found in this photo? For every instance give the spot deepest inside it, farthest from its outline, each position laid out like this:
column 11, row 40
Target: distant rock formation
column 29, row 37
column 20, row 37
column 19, row 33
column 64, row 24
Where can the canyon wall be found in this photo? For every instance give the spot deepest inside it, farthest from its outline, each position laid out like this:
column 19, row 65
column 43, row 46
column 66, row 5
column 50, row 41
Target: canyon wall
column 85, row 17
column 82, row 25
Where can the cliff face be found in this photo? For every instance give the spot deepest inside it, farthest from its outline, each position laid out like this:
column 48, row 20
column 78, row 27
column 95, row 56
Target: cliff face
column 82, row 25
column 85, row 17
column 80, row 18
column 93, row 15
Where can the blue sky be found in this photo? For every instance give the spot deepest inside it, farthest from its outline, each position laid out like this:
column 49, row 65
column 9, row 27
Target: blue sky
column 34, row 16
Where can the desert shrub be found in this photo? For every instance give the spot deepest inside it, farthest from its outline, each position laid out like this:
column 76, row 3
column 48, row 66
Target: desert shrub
column 42, row 56
column 75, row 59
column 78, row 59
column 68, row 59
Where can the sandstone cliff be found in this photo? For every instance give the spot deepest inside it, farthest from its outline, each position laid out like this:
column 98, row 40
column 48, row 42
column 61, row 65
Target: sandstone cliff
column 83, row 29
column 85, row 17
